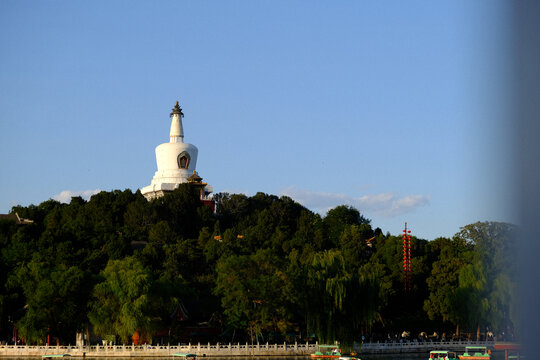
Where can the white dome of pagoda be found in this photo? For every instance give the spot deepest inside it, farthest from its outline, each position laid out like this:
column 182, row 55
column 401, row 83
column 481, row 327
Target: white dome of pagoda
column 176, row 160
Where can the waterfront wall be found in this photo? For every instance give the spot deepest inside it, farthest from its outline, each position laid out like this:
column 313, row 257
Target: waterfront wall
column 421, row 347
column 237, row 349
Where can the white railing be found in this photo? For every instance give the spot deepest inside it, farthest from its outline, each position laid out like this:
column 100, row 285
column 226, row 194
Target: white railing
column 415, row 346
column 227, row 349
column 231, row 349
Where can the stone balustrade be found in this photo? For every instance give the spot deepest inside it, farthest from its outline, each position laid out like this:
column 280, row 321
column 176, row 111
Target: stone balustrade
column 230, row 349
column 219, row 349
column 421, row 347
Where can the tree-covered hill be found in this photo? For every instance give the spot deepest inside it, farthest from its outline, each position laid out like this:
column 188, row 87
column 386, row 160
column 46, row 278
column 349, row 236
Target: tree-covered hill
column 261, row 267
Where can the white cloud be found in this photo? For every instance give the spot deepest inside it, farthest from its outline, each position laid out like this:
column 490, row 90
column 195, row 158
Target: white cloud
column 408, row 203
column 66, row 195
column 384, row 204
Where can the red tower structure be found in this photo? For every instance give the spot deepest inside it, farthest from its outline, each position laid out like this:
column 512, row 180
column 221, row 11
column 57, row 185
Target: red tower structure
column 406, row 259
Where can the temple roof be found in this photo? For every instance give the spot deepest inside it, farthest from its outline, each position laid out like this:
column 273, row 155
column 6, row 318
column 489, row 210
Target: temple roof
column 194, row 178
column 15, row 218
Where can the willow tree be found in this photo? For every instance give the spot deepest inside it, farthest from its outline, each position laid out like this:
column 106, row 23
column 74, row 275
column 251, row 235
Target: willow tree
column 121, row 303
column 372, row 292
column 341, row 298
column 327, row 283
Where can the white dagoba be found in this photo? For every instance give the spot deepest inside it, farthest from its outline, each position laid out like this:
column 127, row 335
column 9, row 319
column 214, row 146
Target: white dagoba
column 176, row 162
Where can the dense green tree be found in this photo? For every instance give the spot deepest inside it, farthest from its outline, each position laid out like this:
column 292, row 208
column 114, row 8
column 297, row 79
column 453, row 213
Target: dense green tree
column 179, row 209
column 55, row 300
column 486, row 285
column 255, row 292
column 231, row 208
column 472, row 283
column 352, row 242
column 268, row 264
column 443, row 282
column 121, row 303
column 337, row 219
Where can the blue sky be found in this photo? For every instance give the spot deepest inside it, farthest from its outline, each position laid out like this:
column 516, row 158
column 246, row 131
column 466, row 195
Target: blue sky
column 397, row 108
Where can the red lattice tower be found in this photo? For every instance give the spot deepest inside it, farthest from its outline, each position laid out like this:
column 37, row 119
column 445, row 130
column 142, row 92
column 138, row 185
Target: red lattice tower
column 407, row 259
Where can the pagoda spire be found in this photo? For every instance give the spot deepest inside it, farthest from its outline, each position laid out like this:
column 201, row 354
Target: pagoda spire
column 177, row 110
column 177, row 130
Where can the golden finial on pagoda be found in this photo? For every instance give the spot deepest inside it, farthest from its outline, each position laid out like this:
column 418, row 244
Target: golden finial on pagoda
column 177, row 110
